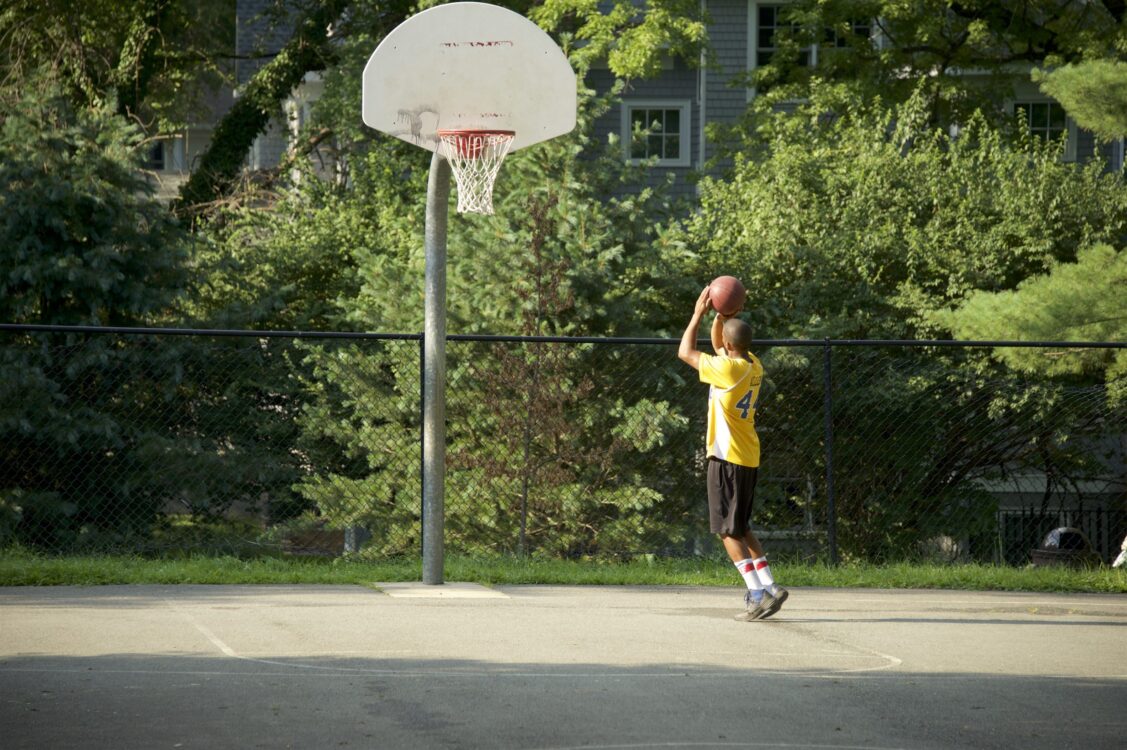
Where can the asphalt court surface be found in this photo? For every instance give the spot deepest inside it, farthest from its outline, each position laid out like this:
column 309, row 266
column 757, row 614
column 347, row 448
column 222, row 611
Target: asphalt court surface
column 465, row 666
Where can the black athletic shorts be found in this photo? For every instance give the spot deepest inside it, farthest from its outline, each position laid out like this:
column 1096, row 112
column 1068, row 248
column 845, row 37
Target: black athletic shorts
column 731, row 492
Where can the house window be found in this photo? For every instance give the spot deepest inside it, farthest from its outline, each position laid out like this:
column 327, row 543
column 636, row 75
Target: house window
column 1046, row 120
column 768, row 22
column 863, row 29
column 155, row 158
column 657, row 130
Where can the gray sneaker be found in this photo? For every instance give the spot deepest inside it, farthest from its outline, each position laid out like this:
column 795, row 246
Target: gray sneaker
column 755, row 609
column 772, row 603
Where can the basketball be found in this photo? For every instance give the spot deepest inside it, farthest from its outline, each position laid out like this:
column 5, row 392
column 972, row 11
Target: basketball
column 727, row 295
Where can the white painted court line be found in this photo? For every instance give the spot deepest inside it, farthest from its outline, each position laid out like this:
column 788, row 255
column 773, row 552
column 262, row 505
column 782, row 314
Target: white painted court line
column 890, row 661
column 210, row 636
column 415, row 590
column 337, row 672
column 476, row 591
column 227, row 650
column 784, row 745
column 909, row 599
column 314, row 670
column 686, row 671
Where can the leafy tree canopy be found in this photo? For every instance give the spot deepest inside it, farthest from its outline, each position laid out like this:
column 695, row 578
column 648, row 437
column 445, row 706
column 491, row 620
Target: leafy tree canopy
column 338, row 36
column 1093, row 92
column 81, row 240
column 963, row 55
column 855, row 226
column 633, row 39
column 152, row 61
column 1078, row 301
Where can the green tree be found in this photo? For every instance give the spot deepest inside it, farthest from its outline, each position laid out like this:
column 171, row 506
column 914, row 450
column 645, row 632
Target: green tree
column 857, row 225
column 310, row 48
column 632, row 38
column 570, row 445
column 103, row 433
column 1093, row 92
column 863, row 226
column 245, row 269
column 338, row 36
column 559, row 257
column 154, row 61
column 81, row 243
column 150, row 60
column 1077, row 301
column 897, row 48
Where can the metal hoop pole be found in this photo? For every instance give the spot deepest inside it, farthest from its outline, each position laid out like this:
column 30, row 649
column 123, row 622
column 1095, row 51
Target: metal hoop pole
column 434, row 370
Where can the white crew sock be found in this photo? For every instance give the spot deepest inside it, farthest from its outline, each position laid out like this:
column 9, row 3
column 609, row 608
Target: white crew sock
column 747, row 570
column 763, row 572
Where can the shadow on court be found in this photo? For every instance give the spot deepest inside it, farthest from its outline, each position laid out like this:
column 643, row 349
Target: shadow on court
column 556, row 667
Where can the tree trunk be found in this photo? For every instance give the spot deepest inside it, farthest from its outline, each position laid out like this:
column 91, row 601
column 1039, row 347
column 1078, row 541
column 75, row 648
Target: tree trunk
column 221, row 163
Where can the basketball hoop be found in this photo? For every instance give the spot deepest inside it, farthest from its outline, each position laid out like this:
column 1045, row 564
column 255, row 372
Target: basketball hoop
column 475, row 157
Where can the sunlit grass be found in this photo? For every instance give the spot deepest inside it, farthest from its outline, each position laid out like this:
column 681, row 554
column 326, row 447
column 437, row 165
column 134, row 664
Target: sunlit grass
column 24, row 568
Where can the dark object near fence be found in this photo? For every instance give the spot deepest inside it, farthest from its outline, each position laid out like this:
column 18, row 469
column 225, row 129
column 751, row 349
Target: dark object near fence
column 1066, row 546
column 314, row 543
column 324, row 542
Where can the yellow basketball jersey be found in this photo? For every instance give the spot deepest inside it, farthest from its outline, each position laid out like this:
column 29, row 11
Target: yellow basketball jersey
column 732, row 396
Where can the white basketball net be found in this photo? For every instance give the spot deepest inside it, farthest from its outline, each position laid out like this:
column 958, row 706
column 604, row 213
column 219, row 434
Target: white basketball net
column 475, row 157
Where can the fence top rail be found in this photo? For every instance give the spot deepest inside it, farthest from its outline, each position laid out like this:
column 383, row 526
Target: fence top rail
column 968, row 343
column 802, row 342
column 158, row 331
column 222, row 332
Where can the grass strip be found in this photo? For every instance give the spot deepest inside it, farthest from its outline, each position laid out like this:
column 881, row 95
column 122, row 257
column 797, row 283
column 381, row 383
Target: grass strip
column 22, row 568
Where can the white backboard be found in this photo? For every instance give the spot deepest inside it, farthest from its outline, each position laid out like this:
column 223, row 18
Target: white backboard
column 469, row 65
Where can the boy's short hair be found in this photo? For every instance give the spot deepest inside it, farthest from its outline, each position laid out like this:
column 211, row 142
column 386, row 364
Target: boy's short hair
column 738, row 333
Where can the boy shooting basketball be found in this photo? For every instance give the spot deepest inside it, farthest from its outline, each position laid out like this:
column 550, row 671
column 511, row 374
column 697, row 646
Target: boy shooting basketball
column 734, row 376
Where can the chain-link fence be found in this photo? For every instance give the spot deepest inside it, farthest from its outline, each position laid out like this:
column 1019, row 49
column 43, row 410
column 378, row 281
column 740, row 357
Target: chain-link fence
column 158, row 441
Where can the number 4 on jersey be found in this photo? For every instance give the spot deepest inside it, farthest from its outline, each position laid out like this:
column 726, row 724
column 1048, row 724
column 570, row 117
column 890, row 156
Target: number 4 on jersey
column 746, row 403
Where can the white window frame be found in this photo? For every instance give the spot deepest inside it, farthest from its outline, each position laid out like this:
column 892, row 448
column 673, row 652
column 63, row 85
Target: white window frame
column 753, row 38
column 178, row 149
column 753, row 35
column 1069, row 124
column 685, row 133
